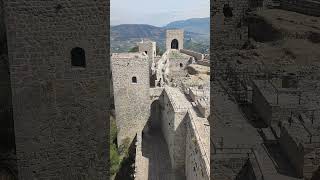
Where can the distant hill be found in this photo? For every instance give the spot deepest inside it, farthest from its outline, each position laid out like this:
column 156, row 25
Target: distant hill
column 196, row 25
column 128, row 31
column 125, row 36
column 125, row 32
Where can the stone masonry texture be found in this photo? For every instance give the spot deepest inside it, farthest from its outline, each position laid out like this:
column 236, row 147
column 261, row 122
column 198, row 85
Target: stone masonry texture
column 150, row 48
column 60, row 112
column 228, row 32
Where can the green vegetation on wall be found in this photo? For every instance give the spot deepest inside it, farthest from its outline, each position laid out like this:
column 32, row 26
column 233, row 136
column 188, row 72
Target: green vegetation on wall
column 134, row 49
column 114, row 154
column 121, row 159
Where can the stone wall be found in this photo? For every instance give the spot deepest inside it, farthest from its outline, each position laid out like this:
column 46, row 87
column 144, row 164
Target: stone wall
column 132, row 99
column 197, row 149
column 302, row 6
column 228, row 28
column 149, row 47
column 247, row 172
column 155, row 117
column 6, row 119
column 311, row 161
column 294, row 151
column 173, row 124
column 261, row 105
column 301, row 149
column 172, row 34
column 177, row 67
column 60, row 111
column 254, row 4
column 196, row 55
column 261, row 30
column 265, row 104
column 226, row 167
column 204, row 62
column 280, row 113
column 3, row 32
column 167, row 119
column 177, row 64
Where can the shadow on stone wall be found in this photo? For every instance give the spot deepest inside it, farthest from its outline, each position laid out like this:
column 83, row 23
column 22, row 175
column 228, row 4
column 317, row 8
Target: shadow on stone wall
column 154, row 120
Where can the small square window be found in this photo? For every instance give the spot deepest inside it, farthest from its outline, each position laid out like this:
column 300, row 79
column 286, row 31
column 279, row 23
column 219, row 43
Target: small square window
column 78, row 57
column 134, row 79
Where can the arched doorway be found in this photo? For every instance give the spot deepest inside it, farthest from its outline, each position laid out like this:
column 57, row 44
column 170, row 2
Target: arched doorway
column 174, row 44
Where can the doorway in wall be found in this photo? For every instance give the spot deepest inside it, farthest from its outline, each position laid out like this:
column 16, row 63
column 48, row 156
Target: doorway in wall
column 174, row 44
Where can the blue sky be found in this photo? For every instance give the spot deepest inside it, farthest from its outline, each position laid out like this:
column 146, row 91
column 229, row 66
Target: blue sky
column 157, row 12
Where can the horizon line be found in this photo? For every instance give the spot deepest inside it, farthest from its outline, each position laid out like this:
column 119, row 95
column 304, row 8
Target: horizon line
column 156, row 25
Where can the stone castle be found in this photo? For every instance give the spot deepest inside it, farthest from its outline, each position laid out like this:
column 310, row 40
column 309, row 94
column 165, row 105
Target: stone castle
column 150, row 107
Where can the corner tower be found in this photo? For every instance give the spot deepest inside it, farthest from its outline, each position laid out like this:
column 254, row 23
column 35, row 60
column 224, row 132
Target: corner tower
column 131, row 83
column 174, row 39
column 58, row 57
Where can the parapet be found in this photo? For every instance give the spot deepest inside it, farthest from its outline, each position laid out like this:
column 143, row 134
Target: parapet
column 178, row 100
column 129, row 55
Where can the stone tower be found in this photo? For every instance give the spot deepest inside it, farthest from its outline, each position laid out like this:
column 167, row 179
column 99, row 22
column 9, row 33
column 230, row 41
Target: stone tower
column 174, row 39
column 131, row 83
column 58, row 56
column 228, row 24
column 148, row 47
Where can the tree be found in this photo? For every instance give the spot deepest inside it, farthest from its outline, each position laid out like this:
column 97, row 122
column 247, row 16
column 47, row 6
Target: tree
column 159, row 52
column 115, row 159
column 134, row 49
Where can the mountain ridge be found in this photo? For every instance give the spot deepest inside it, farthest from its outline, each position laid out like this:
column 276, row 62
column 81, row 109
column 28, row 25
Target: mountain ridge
column 124, row 36
column 197, row 25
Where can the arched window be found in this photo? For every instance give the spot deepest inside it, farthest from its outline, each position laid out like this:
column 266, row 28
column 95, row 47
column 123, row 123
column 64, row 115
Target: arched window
column 134, row 79
column 227, row 11
column 78, row 57
column 175, row 44
column 181, row 65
